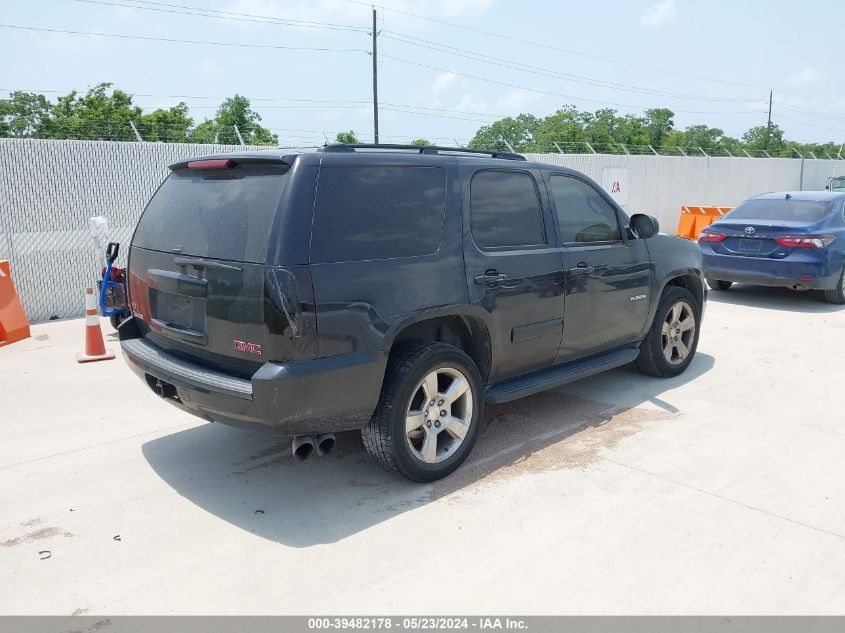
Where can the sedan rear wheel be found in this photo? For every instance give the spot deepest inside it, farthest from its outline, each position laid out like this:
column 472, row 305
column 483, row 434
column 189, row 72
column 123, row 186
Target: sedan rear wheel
column 837, row 295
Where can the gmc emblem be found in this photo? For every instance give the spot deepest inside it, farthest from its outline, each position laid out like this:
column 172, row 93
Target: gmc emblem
column 243, row 346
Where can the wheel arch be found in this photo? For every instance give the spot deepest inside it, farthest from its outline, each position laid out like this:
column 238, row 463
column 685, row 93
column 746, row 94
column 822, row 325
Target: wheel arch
column 461, row 328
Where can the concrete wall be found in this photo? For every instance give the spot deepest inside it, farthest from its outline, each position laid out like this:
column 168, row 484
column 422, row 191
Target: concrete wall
column 660, row 185
column 49, row 189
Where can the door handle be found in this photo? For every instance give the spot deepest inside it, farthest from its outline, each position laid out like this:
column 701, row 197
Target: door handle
column 490, row 277
column 582, row 269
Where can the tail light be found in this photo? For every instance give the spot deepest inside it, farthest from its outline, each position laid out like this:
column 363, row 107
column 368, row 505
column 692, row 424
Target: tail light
column 711, row 236
column 805, row 241
column 214, row 163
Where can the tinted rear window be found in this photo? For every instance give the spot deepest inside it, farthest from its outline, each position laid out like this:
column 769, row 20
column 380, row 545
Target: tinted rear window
column 505, row 210
column 797, row 210
column 223, row 214
column 374, row 212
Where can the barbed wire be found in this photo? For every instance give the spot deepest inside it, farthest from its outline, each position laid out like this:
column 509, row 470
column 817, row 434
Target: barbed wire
column 121, row 131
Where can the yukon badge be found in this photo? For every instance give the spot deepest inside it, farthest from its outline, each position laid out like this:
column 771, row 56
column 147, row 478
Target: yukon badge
column 638, row 297
column 242, row 346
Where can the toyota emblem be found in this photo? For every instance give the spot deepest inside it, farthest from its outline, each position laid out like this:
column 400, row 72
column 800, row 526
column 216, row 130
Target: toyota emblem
column 749, row 230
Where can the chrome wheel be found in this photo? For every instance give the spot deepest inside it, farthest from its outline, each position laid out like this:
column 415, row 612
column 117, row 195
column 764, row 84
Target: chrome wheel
column 678, row 333
column 439, row 415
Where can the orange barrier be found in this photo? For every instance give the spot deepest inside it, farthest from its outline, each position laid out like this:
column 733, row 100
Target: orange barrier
column 694, row 218
column 14, row 325
column 95, row 347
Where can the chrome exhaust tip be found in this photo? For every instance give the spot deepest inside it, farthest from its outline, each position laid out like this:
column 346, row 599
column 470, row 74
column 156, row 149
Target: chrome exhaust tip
column 325, row 443
column 302, row 447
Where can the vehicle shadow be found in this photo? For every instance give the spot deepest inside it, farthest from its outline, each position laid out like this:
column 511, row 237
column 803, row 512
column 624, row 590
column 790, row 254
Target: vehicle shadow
column 810, row 301
column 250, row 479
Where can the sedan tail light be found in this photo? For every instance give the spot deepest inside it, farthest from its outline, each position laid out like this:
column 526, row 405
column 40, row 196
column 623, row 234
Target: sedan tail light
column 711, row 236
column 805, row 241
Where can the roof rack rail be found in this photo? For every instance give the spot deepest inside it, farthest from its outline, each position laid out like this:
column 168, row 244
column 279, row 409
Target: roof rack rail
column 422, row 149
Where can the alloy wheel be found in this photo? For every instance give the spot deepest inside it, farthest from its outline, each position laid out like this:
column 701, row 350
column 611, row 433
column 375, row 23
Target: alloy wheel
column 439, row 415
column 678, row 333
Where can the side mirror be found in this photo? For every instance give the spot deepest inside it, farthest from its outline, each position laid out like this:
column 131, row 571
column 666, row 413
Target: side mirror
column 644, row 226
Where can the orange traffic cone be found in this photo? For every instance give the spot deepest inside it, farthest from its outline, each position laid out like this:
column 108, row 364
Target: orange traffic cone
column 95, row 347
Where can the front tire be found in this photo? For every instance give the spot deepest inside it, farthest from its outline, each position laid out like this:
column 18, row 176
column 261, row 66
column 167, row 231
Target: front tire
column 718, row 284
column 837, row 295
column 670, row 344
column 429, row 412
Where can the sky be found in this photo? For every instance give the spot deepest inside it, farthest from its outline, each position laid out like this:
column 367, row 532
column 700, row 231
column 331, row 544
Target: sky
column 445, row 67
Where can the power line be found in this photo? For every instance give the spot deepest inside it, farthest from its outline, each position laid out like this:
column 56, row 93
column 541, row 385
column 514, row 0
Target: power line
column 179, row 41
column 547, row 72
column 226, row 15
column 546, row 92
column 555, row 48
column 814, row 113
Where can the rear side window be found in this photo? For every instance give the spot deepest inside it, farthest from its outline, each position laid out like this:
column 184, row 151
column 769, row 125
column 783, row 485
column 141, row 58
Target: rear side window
column 505, row 210
column 376, row 212
column 783, row 209
column 221, row 214
column 583, row 214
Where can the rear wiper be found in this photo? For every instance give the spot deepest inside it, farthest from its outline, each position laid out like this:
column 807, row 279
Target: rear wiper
column 203, row 263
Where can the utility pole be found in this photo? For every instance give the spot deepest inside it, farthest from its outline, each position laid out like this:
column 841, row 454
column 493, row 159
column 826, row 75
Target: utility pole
column 769, row 124
column 375, row 79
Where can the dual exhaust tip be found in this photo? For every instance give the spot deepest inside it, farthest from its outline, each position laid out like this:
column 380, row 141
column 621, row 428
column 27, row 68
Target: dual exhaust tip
column 304, row 445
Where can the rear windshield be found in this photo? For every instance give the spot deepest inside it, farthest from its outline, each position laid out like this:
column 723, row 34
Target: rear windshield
column 224, row 214
column 797, row 210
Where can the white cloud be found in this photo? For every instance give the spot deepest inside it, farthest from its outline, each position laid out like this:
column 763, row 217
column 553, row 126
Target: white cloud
column 452, row 92
column 805, row 76
column 659, row 13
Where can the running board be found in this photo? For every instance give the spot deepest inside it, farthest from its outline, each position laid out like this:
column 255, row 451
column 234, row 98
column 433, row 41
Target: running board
column 528, row 385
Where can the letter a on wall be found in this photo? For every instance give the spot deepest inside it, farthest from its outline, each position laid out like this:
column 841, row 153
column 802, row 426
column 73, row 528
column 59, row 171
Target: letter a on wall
column 615, row 182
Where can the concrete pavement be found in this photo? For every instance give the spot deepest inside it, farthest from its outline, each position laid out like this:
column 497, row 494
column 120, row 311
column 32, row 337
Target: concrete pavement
column 720, row 491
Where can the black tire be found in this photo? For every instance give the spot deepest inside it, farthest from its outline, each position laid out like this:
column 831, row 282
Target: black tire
column 652, row 359
column 385, row 434
column 115, row 321
column 717, row 284
column 837, row 295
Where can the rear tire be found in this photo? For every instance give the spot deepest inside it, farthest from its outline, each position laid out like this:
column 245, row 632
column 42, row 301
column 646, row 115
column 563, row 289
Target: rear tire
column 444, row 432
column 717, row 284
column 837, row 295
column 672, row 339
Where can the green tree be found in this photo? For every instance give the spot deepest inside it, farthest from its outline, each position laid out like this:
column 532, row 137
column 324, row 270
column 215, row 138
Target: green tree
column 563, row 127
column 234, row 111
column 168, row 126
column 421, row 142
column 703, row 136
column 519, row 132
column 347, row 137
column 96, row 115
column 755, row 138
column 23, row 114
column 658, row 123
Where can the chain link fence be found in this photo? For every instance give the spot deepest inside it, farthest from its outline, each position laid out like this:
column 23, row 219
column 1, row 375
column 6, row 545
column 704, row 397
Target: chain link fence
column 50, row 188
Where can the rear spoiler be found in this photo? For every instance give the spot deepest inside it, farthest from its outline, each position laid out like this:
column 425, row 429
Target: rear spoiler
column 227, row 162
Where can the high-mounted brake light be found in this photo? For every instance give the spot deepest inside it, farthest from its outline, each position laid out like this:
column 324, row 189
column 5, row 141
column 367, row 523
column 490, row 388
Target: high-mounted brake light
column 805, row 241
column 214, row 163
column 711, row 236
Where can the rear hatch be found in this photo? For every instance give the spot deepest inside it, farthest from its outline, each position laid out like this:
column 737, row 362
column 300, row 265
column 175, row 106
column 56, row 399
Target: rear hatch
column 752, row 228
column 197, row 263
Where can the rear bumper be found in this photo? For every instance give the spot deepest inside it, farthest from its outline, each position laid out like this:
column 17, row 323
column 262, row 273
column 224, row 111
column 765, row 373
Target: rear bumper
column 336, row 393
column 809, row 274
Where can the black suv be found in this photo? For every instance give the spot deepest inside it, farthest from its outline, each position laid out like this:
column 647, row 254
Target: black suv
column 396, row 290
